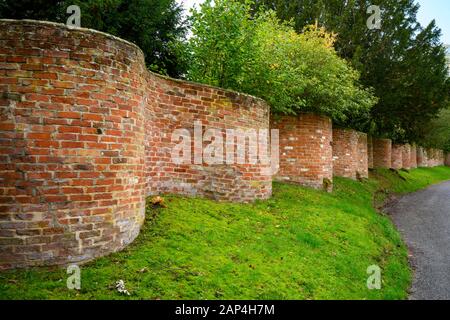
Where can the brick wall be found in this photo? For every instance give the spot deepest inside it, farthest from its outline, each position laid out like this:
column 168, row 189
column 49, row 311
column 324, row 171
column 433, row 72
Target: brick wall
column 397, row 156
column 350, row 157
column 406, row 156
column 370, row 152
column 178, row 105
column 72, row 154
column 382, row 153
column 305, row 150
column 85, row 135
column 413, row 157
column 362, row 155
column 422, row 160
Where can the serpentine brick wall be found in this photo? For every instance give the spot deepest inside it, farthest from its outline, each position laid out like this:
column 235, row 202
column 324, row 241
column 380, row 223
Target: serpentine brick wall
column 422, row 157
column 306, row 155
column 350, row 155
column 397, row 156
column 382, row 153
column 413, row 157
column 406, row 156
column 85, row 136
column 447, row 160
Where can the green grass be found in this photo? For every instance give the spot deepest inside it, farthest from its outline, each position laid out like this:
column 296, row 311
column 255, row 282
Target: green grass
column 301, row 244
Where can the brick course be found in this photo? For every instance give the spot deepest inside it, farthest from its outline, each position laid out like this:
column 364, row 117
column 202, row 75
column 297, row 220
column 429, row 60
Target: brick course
column 306, row 155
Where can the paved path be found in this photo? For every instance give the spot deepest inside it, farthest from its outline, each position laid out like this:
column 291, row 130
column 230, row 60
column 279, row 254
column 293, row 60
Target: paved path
column 423, row 218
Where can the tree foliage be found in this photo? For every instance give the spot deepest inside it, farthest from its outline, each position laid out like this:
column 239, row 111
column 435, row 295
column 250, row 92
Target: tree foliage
column 262, row 56
column 154, row 25
column 437, row 133
column 402, row 61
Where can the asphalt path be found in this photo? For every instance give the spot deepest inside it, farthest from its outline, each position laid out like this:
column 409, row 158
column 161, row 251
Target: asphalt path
column 423, row 219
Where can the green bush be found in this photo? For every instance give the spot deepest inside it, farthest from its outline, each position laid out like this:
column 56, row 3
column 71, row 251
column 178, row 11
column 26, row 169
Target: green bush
column 262, row 56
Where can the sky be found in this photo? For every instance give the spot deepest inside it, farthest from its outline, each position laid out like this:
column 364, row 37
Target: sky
column 429, row 10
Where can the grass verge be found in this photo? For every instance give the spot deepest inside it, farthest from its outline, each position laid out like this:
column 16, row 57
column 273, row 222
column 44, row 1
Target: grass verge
column 301, row 244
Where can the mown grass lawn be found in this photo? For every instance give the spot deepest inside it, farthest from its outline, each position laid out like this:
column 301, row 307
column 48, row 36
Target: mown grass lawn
column 301, row 244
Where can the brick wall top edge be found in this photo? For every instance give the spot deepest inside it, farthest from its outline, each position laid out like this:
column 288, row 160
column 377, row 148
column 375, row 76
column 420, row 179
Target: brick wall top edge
column 276, row 116
column 349, row 129
column 197, row 86
column 28, row 22
column 219, row 90
column 382, row 139
column 63, row 26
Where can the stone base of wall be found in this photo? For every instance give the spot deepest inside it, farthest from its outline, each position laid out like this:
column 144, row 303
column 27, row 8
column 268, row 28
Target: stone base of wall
column 382, row 153
column 397, row 156
column 350, row 156
column 305, row 150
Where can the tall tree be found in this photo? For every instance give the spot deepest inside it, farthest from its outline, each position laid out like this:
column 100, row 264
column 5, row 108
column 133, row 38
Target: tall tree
column 154, row 25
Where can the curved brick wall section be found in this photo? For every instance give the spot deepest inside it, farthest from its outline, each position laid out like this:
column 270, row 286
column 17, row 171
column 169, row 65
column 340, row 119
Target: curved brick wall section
column 83, row 137
column 382, row 153
column 72, row 155
column 447, row 160
column 306, row 155
column 178, row 105
column 370, row 152
column 406, row 156
column 413, row 157
column 350, row 154
column 397, row 156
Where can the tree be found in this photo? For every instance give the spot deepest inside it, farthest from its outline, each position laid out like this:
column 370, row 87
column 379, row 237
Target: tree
column 294, row 72
column 437, row 133
column 156, row 26
column 402, row 61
